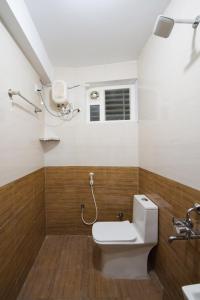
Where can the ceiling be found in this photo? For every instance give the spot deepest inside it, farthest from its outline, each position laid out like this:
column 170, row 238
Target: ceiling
column 79, row 33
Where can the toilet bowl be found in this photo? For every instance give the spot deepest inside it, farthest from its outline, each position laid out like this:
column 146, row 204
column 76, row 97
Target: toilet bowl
column 125, row 246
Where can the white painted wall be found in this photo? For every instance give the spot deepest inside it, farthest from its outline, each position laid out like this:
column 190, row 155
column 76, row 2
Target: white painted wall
column 169, row 96
column 85, row 144
column 20, row 129
column 18, row 21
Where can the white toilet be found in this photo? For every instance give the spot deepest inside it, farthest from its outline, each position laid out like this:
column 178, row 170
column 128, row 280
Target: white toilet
column 125, row 246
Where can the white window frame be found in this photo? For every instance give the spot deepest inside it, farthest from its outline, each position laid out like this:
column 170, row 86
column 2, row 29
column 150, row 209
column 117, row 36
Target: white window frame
column 101, row 101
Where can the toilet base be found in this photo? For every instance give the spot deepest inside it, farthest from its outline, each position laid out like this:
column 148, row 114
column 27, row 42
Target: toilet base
column 125, row 261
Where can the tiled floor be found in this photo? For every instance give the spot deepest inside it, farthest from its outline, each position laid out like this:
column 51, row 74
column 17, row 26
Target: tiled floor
column 64, row 270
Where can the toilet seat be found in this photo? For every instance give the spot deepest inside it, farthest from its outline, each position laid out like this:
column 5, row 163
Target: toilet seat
column 110, row 232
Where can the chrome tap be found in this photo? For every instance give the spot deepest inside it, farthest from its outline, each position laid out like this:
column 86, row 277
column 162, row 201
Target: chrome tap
column 184, row 226
column 193, row 236
column 196, row 208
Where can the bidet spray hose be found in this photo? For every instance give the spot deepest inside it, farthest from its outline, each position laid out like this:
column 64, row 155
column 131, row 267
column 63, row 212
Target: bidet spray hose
column 95, row 204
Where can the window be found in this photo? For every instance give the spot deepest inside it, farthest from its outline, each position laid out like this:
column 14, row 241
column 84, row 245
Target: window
column 117, row 104
column 112, row 103
column 94, row 113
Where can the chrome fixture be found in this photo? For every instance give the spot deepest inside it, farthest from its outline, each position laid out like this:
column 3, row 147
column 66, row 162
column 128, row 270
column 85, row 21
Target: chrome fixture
column 195, row 208
column 164, row 25
column 69, row 87
column 184, row 227
column 91, row 183
column 94, row 95
column 183, row 238
column 91, row 175
column 12, row 93
column 120, row 216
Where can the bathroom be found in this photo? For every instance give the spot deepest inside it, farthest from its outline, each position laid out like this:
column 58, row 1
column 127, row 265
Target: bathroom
column 100, row 150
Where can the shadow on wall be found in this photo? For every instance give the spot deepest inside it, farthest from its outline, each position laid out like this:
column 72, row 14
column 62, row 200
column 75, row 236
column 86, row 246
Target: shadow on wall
column 150, row 100
column 36, row 115
column 49, row 145
column 195, row 55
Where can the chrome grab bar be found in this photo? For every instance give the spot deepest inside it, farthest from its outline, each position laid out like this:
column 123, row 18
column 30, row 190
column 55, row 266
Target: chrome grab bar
column 12, row 93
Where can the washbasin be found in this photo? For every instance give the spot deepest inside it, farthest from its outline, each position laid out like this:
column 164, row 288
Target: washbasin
column 191, row 292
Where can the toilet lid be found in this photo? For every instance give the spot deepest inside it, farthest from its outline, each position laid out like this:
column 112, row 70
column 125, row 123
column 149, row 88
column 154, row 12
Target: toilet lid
column 113, row 231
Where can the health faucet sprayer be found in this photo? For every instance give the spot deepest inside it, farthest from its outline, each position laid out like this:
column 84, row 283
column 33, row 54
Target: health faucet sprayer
column 91, row 182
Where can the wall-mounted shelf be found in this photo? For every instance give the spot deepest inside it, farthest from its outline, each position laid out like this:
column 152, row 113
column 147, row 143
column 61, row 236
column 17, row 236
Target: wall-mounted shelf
column 50, row 139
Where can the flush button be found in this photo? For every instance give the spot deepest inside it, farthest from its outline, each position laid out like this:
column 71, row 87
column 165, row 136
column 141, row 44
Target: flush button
column 144, row 199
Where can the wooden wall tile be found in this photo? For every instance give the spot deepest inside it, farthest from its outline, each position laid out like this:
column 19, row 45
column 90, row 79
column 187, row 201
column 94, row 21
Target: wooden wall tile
column 6, row 203
column 68, row 187
column 22, row 230
column 176, row 264
column 22, row 218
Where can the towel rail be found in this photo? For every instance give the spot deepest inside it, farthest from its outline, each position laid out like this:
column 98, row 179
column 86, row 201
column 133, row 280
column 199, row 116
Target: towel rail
column 12, row 93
